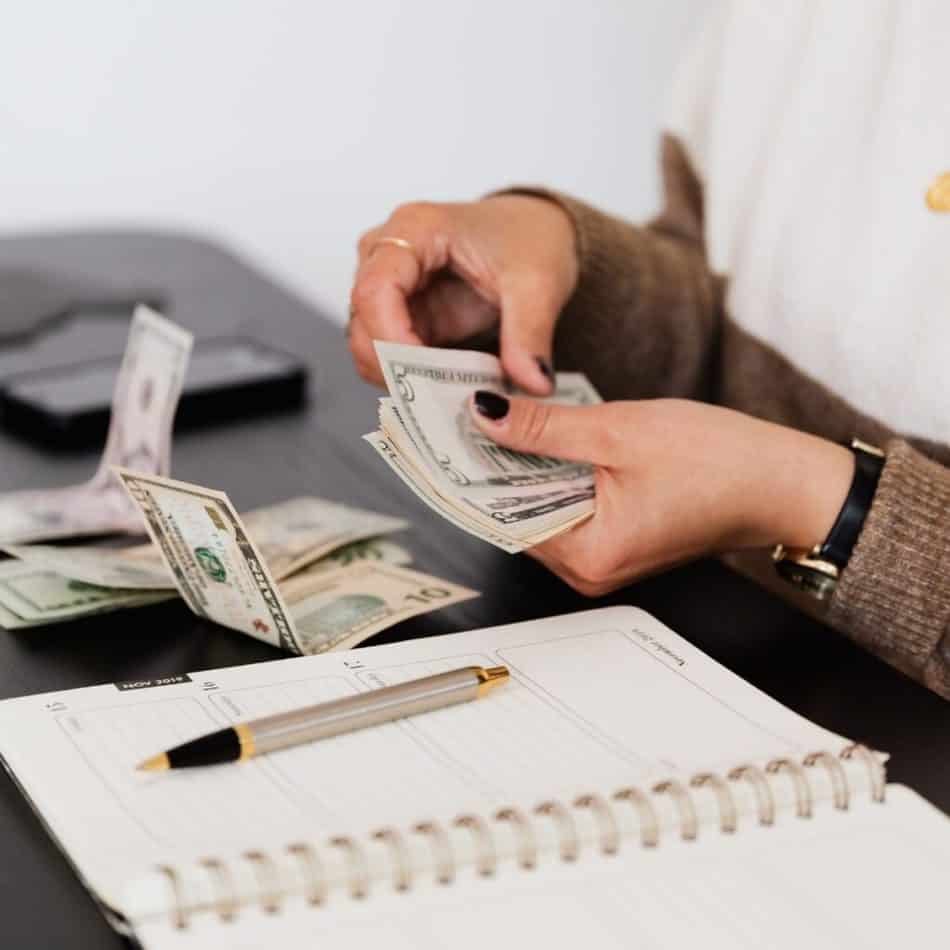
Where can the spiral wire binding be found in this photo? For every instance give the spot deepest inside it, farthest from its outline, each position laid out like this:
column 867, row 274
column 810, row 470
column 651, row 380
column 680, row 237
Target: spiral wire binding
column 317, row 887
column 648, row 820
column 442, row 850
column 606, row 820
column 359, row 870
column 803, row 797
column 562, row 818
column 567, row 828
column 689, row 823
column 268, row 880
column 728, row 815
column 528, row 850
column 486, row 860
column 402, row 873
column 765, row 799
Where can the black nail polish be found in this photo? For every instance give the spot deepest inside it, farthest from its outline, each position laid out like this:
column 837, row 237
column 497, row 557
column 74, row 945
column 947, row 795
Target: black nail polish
column 545, row 366
column 491, row 405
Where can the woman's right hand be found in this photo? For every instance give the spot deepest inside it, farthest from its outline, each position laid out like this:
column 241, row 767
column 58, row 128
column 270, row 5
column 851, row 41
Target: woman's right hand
column 507, row 260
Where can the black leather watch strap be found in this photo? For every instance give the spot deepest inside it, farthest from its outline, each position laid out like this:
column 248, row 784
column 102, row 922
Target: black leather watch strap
column 868, row 463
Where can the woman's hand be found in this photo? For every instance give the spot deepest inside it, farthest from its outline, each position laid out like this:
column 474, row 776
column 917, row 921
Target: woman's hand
column 675, row 480
column 510, row 258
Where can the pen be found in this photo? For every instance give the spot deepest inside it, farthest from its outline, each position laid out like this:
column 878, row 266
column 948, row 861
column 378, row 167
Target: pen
column 322, row 720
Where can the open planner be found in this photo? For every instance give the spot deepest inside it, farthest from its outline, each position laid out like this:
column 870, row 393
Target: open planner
column 622, row 790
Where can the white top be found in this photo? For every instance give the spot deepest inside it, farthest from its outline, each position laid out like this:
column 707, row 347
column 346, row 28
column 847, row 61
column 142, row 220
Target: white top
column 816, row 129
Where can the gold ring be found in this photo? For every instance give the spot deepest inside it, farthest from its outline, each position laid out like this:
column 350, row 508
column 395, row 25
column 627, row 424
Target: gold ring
column 396, row 242
column 402, row 244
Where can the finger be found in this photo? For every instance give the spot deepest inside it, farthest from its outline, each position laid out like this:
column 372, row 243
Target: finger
column 396, row 260
column 364, row 354
column 574, row 433
column 384, row 282
column 527, row 334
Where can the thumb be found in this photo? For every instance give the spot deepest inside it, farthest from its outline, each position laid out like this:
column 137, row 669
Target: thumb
column 527, row 334
column 572, row 433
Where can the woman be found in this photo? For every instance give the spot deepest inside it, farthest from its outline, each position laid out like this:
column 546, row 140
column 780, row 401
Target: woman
column 793, row 294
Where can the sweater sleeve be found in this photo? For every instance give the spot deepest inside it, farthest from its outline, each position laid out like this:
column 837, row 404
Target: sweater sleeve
column 648, row 290
column 894, row 595
column 647, row 320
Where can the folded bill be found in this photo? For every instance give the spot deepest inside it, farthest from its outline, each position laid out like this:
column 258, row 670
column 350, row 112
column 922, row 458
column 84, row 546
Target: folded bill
column 31, row 596
column 510, row 499
column 289, row 535
column 143, row 408
column 292, row 534
column 134, row 568
column 213, row 561
column 222, row 575
column 46, row 590
column 339, row 609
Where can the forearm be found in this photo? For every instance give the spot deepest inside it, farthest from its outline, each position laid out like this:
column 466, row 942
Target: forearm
column 647, row 319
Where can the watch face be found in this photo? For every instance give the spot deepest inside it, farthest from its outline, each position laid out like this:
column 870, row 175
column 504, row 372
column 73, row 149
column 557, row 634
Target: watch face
column 809, row 579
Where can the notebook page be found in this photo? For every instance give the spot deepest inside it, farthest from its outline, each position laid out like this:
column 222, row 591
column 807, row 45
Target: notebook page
column 597, row 699
column 872, row 877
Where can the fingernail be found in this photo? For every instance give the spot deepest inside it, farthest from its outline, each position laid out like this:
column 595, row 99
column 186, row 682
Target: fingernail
column 491, row 405
column 544, row 365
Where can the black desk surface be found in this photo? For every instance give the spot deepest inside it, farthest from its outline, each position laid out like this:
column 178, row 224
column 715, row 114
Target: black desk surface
column 812, row 670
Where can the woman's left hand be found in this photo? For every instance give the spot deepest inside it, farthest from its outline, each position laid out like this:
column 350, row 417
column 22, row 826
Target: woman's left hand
column 675, row 480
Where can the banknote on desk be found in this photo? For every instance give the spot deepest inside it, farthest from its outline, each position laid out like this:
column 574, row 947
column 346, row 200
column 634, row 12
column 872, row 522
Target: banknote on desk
column 144, row 402
column 513, row 500
column 31, row 596
column 290, row 535
column 67, row 582
column 222, row 575
column 40, row 589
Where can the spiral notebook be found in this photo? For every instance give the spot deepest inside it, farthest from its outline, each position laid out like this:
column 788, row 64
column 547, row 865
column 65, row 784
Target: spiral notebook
column 622, row 790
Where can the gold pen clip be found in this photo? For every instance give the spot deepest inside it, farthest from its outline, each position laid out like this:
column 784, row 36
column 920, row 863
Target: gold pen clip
column 490, row 677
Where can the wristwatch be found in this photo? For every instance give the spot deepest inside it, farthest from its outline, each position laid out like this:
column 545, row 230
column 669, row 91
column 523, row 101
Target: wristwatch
column 816, row 571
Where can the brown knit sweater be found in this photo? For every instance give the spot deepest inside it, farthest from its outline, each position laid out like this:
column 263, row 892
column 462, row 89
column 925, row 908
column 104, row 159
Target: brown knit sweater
column 647, row 319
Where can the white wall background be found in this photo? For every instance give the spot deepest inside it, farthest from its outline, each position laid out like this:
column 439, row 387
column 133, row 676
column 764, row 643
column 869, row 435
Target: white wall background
column 286, row 127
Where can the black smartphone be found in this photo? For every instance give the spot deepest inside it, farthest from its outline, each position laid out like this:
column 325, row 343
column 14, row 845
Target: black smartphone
column 67, row 407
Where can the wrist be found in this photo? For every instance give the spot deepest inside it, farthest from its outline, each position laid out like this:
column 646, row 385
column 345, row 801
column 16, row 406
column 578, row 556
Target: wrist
column 805, row 483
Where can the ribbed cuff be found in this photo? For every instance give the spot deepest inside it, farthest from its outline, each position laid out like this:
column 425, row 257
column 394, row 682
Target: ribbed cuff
column 894, row 595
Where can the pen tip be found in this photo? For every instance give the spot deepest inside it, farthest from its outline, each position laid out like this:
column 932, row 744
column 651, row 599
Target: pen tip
column 157, row 763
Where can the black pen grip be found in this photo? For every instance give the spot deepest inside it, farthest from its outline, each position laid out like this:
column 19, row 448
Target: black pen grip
column 212, row 749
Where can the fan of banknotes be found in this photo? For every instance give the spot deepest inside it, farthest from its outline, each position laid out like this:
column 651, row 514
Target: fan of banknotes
column 511, row 499
column 307, row 574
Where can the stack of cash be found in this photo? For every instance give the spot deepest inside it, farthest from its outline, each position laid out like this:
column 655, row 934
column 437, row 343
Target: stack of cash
column 510, row 499
column 307, row 574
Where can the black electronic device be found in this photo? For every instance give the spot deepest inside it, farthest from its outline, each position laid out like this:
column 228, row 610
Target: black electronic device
column 68, row 407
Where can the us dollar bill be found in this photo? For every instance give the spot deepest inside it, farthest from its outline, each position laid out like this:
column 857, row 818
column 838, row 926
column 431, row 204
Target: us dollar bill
column 432, row 497
column 289, row 535
column 135, row 568
column 43, row 588
column 222, row 575
column 431, row 387
column 513, row 500
column 144, row 401
column 372, row 550
column 30, row 597
column 340, row 609
column 294, row 533
column 213, row 561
